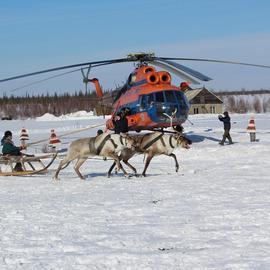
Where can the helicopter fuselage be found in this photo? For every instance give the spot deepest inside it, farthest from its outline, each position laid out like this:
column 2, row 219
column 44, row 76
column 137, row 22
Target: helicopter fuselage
column 152, row 100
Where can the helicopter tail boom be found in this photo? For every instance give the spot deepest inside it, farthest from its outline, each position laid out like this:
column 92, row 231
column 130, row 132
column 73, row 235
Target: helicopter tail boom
column 99, row 91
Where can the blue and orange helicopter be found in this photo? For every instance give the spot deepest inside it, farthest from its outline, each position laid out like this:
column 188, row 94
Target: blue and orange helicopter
column 151, row 99
column 149, row 96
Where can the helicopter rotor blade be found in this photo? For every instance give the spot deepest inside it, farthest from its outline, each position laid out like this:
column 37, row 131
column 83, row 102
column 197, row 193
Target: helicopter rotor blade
column 213, row 61
column 178, row 72
column 164, row 62
column 56, row 76
column 97, row 63
column 43, row 80
column 186, row 70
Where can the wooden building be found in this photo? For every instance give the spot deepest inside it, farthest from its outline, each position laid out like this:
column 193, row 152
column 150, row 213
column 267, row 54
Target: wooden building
column 203, row 101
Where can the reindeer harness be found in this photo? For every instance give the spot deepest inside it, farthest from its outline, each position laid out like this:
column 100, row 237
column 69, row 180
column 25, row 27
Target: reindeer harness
column 103, row 142
column 170, row 140
column 159, row 137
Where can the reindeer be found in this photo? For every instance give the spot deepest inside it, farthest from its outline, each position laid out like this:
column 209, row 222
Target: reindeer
column 106, row 145
column 154, row 144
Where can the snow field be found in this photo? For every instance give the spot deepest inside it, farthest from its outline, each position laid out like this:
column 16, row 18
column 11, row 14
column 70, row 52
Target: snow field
column 212, row 214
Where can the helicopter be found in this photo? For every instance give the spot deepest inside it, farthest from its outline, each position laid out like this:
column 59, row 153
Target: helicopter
column 149, row 97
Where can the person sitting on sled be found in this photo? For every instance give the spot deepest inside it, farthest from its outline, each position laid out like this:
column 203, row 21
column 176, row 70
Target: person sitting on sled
column 10, row 149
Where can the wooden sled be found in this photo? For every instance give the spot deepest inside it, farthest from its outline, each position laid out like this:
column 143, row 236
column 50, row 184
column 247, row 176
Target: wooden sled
column 29, row 164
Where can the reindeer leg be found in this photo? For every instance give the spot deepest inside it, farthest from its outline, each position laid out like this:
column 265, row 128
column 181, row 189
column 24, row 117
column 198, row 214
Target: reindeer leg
column 130, row 166
column 176, row 162
column 117, row 161
column 111, row 168
column 149, row 158
column 113, row 165
column 63, row 162
column 77, row 166
column 126, row 155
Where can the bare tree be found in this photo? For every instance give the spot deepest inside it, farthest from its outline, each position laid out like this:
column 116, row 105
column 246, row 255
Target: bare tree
column 257, row 105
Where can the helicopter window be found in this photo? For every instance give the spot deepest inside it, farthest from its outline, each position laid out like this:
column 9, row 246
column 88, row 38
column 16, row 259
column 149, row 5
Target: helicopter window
column 181, row 99
column 150, row 99
column 147, row 101
column 178, row 95
column 143, row 102
column 131, row 79
column 170, row 96
column 159, row 97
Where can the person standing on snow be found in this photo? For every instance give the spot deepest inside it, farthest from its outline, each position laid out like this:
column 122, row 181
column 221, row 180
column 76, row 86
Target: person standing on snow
column 120, row 123
column 227, row 126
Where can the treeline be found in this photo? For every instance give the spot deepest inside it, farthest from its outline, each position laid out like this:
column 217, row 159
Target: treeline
column 34, row 106
column 244, row 101
column 243, row 92
column 244, row 104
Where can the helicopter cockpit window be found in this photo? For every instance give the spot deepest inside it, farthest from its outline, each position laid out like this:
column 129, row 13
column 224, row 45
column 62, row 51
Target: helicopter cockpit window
column 150, row 100
column 181, row 98
column 147, row 101
column 170, row 96
column 159, row 97
column 143, row 102
column 131, row 79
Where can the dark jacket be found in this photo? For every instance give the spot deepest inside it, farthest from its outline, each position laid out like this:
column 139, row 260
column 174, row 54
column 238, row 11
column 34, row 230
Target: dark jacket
column 9, row 148
column 121, row 125
column 226, row 121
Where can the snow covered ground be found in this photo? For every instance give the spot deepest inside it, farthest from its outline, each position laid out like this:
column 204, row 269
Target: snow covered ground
column 213, row 214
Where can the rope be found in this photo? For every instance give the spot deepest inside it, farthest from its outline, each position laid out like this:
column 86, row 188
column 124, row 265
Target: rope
column 65, row 134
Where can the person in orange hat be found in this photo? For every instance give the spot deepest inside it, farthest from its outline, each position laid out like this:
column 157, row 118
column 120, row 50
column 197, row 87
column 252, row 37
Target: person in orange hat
column 227, row 126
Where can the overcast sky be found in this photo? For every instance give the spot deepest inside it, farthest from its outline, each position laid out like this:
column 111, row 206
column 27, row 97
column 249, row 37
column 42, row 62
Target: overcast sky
column 37, row 35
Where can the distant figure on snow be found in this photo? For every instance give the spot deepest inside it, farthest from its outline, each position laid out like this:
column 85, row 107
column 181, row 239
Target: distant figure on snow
column 227, row 126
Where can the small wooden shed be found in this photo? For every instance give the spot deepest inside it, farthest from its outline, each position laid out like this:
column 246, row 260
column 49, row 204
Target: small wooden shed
column 203, row 101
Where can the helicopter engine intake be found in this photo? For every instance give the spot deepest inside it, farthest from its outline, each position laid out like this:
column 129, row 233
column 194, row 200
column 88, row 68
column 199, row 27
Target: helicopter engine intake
column 164, row 77
column 152, row 78
column 148, row 69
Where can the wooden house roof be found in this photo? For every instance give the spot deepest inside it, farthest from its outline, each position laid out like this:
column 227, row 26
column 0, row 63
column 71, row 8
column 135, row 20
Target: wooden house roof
column 191, row 94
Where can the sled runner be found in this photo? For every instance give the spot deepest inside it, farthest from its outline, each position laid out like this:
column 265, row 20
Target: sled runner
column 28, row 164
